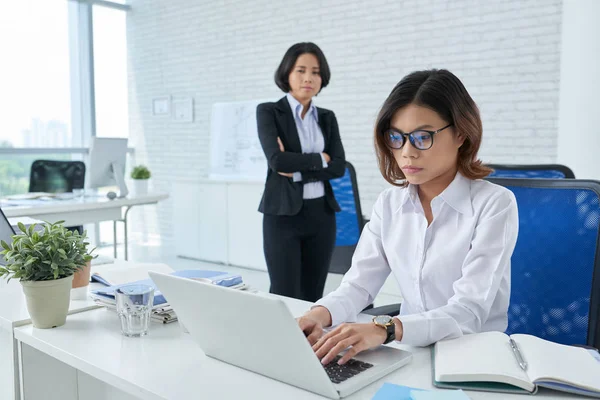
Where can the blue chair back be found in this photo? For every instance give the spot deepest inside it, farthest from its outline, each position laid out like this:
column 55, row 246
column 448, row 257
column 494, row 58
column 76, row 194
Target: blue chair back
column 537, row 171
column 349, row 220
column 555, row 288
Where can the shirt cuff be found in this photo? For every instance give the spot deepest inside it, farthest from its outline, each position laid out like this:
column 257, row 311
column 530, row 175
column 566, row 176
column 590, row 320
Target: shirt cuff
column 415, row 330
column 297, row 176
column 323, row 159
column 335, row 308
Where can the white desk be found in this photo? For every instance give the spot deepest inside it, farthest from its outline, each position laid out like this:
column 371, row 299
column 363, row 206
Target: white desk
column 92, row 360
column 84, row 210
column 13, row 313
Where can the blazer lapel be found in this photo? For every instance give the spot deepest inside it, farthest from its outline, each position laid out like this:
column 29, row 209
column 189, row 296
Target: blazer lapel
column 324, row 124
column 285, row 118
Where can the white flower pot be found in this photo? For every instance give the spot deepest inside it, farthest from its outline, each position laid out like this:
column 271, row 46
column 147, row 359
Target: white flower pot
column 48, row 301
column 140, row 187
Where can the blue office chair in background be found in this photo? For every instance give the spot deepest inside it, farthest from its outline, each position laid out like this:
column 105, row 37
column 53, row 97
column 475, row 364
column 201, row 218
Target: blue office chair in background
column 545, row 171
column 555, row 288
column 349, row 220
column 350, row 223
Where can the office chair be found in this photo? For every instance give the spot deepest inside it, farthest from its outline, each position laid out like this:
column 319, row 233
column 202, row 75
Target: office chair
column 349, row 221
column 57, row 177
column 546, row 171
column 555, row 288
column 555, row 267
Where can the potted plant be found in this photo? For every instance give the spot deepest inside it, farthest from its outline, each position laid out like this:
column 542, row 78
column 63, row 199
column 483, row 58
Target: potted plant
column 140, row 175
column 44, row 261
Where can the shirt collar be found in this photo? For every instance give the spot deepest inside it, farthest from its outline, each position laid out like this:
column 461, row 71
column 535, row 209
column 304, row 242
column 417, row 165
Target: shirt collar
column 297, row 107
column 457, row 195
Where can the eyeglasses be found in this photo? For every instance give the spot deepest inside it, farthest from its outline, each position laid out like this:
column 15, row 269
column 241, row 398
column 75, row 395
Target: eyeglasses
column 421, row 139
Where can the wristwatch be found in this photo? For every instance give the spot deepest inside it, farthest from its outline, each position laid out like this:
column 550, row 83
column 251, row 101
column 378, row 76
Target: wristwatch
column 387, row 323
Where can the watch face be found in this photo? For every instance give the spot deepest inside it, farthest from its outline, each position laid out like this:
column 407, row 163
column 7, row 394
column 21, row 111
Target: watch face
column 383, row 319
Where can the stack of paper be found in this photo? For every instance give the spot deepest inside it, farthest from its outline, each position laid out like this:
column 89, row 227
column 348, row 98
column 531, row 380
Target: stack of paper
column 117, row 276
column 164, row 315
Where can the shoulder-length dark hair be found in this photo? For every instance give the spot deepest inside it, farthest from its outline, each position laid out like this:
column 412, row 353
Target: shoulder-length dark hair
column 282, row 74
column 441, row 91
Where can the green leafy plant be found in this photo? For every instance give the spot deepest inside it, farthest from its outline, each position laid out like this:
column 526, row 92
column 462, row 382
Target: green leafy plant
column 53, row 253
column 140, row 172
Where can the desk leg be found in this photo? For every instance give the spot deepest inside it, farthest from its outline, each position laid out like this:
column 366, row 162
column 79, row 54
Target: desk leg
column 125, row 232
column 115, row 239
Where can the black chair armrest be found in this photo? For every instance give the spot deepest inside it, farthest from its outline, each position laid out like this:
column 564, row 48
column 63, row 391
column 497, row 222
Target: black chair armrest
column 389, row 309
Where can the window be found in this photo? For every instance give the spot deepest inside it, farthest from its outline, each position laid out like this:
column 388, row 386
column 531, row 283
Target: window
column 110, row 72
column 46, row 79
column 35, row 103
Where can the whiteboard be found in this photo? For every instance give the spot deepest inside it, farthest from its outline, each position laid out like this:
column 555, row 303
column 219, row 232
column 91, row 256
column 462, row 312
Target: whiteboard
column 235, row 151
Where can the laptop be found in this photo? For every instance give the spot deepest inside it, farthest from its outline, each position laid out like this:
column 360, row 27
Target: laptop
column 6, row 232
column 257, row 332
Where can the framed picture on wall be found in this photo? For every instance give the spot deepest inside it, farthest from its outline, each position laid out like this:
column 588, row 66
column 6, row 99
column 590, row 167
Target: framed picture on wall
column 161, row 105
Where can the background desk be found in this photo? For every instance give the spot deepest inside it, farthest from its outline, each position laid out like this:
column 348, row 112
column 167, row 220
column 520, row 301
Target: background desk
column 85, row 210
column 93, row 361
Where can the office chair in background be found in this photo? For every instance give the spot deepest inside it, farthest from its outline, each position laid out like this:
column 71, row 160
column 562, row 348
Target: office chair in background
column 57, row 177
column 545, row 171
column 555, row 288
column 350, row 223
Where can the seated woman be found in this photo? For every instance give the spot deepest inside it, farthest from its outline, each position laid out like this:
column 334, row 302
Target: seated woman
column 446, row 235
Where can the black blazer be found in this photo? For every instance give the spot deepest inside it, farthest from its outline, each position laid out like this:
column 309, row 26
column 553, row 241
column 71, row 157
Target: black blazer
column 283, row 196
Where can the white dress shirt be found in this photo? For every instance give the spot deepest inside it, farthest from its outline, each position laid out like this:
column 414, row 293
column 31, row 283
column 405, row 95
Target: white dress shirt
column 454, row 275
column 311, row 141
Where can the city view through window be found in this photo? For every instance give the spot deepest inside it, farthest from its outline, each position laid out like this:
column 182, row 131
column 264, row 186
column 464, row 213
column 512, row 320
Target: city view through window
column 36, row 82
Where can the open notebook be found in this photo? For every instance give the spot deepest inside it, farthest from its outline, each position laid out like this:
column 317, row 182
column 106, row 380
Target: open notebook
column 486, row 361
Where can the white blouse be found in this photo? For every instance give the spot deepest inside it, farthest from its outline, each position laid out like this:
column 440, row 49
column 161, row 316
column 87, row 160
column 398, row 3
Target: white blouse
column 454, row 275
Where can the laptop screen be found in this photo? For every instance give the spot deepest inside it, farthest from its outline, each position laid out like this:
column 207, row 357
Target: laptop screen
column 6, row 231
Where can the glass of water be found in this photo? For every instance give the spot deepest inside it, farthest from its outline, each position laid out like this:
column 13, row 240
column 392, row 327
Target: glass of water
column 134, row 306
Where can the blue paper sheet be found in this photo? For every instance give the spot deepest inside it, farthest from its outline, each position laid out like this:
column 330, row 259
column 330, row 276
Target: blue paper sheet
column 390, row 391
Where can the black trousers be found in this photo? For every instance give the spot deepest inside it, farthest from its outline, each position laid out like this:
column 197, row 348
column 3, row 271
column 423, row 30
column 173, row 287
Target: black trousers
column 298, row 250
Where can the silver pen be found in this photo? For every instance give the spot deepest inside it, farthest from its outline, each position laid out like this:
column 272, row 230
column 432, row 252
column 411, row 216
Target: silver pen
column 518, row 355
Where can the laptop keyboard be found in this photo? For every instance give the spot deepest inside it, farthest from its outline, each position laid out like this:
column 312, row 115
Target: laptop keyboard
column 339, row 373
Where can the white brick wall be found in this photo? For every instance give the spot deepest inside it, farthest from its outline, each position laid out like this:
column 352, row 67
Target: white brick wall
column 507, row 53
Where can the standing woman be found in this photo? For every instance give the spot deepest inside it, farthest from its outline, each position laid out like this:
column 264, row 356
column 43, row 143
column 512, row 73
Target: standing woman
column 304, row 151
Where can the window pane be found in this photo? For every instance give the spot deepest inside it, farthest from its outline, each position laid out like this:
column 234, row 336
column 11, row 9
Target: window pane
column 110, row 72
column 35, row 105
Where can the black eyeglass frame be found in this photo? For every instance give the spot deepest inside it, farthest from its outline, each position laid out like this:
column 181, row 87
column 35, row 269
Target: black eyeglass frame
column 411, row 138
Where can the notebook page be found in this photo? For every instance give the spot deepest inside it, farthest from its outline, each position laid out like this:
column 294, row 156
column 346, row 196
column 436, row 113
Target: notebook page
column 481, row 357
column 548, row 361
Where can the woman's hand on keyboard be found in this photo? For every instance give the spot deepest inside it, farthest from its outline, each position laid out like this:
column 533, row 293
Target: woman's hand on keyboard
column 354, row 337
column 312, row 328
column 312, row 323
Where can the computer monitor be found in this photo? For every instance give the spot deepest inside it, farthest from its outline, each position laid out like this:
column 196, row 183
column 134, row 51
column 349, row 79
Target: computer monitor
column 106, row 165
